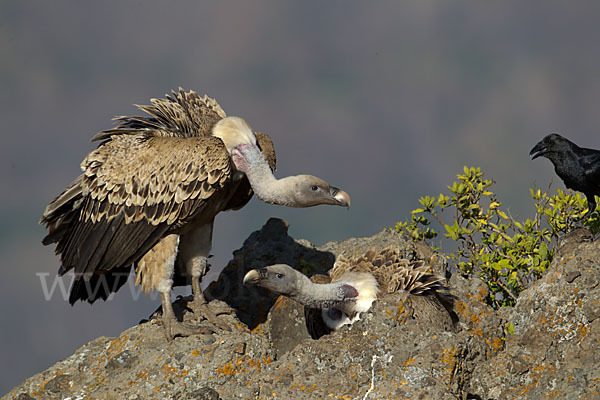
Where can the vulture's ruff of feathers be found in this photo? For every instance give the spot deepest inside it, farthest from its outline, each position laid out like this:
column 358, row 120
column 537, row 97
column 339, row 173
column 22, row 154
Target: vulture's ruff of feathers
column 327, row 307
column 150, row 191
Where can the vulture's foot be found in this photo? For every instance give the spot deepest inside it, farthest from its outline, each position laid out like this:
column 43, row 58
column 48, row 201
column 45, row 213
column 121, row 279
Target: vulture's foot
column 202, row 309
column 175, row 328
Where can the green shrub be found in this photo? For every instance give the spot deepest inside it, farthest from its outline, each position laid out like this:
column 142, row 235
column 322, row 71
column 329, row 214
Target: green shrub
column 508, row 255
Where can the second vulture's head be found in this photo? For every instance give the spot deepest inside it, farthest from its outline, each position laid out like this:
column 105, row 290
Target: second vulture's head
column 278, row 278
column 550, row 147
column 354, row 292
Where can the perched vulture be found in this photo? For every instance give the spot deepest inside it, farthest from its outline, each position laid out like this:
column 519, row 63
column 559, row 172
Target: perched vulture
column 149, row 194
column 350, row 287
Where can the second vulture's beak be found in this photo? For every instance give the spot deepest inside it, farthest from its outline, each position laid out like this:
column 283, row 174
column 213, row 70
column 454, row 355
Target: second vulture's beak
column 342, row 198
column 254, row 276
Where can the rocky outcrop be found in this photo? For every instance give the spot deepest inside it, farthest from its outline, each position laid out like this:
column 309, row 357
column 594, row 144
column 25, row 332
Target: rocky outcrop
column 547, row 346
column 552, row 347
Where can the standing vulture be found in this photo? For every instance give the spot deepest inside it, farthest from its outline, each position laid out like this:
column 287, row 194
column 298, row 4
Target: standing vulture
column 149, row 194
column 350, row 287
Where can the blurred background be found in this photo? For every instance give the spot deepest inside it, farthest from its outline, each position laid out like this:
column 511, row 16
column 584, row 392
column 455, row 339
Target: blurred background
column 387, row 100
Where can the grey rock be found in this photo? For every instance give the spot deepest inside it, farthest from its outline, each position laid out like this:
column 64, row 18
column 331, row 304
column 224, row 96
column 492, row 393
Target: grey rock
column 404, row 347
column 202, row 394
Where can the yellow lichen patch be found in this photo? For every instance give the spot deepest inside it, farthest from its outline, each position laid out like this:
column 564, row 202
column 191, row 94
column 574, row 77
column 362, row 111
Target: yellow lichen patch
column 481, row 294
column 400, row 312
column 496, row 344
column 241, row 326
column 45, row 381
column 259, row 329
column 243, row 365
column 582, row 330
column 195, row 353
column 462, row 308
column 228, row 369
column 593, row 395
column 449, row 357
column 408, row 362
column 535, row 375
column 172, row 372
column 476, row 332
column 266, row 360
column 279, row 302
column 297, row 386
column 142, row 374
column 115, row 347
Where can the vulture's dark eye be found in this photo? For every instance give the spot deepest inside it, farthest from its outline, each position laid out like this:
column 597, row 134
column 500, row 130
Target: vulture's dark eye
column 314, row 188
column 279, row 276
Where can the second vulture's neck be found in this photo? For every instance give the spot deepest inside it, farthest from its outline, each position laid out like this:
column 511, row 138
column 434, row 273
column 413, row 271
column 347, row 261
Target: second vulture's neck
column 321, row 296
column 250, row 160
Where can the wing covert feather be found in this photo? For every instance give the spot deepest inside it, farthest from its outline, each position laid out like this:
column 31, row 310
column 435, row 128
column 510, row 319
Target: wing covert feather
column 151, row 178
column 266, row 146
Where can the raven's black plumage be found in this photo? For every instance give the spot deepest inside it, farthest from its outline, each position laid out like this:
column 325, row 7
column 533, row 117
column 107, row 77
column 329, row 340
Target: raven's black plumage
column 578, row 167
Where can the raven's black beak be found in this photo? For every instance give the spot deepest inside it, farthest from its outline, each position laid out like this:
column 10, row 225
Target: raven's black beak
column 538, row 150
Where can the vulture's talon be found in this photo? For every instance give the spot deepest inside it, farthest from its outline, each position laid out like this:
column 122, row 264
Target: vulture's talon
column 223, row 309
column 201, row 309
column 175, row 328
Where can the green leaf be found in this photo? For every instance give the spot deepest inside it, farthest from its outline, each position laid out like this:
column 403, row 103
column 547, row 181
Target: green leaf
column 543, row 251
column 510, row 329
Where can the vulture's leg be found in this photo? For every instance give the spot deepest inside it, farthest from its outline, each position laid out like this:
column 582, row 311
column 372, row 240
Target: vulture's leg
column 195, row 248
column 155, row 269
column 172, row 326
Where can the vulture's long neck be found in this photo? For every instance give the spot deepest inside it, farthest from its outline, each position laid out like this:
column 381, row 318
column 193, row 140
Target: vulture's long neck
column 321, row 296
column 250, row 160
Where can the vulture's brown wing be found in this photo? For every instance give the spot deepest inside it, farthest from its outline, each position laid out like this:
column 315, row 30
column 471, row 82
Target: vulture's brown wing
column 134, row 190
column 312, row 316
column 183, row 114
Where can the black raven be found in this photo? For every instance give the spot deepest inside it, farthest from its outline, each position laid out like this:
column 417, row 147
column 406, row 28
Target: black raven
column 578, row 167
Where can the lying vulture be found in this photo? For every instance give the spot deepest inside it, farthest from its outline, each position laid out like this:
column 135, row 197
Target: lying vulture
column 578, row 167
column 149, row 194
column 350, row 287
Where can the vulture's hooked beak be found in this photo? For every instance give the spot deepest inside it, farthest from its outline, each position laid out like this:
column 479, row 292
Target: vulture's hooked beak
column 538, row 150
column 341, row 198
column 254, row 275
